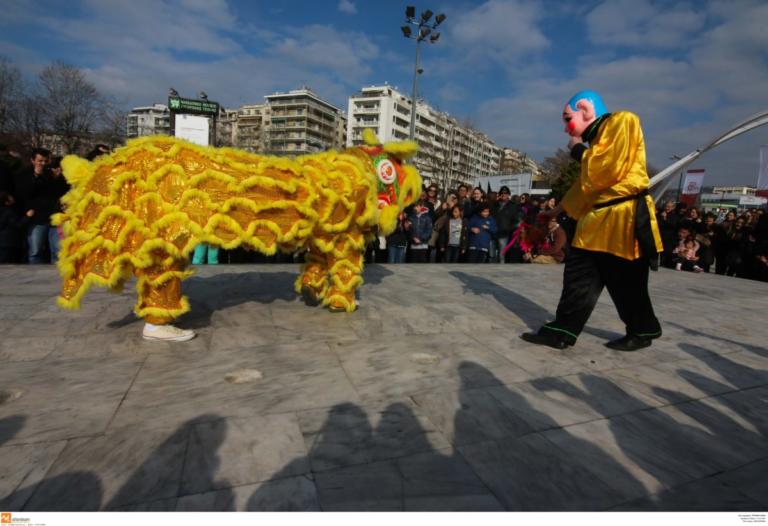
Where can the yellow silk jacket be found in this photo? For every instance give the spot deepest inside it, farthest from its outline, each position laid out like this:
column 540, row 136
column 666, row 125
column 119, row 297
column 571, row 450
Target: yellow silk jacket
column 612, row 167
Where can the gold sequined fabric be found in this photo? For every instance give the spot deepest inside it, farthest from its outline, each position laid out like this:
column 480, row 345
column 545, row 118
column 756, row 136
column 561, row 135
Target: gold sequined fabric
column 141, row 211
column 612, row 167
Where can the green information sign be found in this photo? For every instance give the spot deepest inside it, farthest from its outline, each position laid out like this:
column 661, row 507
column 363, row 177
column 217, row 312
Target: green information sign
column 204, row 107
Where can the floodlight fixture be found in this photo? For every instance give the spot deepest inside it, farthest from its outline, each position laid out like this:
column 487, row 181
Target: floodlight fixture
column 203, row 95
column 424, row 30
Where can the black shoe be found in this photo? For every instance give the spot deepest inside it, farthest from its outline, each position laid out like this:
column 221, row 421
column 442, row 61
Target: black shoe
column 549, row 339
column 629, row 343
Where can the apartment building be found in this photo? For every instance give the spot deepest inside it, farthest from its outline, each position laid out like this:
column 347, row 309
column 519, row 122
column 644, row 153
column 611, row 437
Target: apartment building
column 148, row 120
column 300, row 122
column 250, row 127
column 449, row 153
column 515, row 162
column 226, row 127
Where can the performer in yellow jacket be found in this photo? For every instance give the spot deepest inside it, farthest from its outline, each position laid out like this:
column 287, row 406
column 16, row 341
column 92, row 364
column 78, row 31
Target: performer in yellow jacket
column 617, row 237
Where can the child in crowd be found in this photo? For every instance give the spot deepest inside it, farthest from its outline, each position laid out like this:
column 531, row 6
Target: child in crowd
column 453, row 236
column 397, row 241
column 686, row 257
column 420, row 218
column 482, row 230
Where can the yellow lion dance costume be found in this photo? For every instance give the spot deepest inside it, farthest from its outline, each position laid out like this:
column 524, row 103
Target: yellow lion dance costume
column 142, row 210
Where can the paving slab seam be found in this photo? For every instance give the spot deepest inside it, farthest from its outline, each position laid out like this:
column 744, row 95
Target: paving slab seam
column 228, row 487
column 183, row 466
column 43, row 442
column 402, row 485
column 125, row 395
column 344, row 370
column 691, row 399
column 671, row 361
column 579, row 423
column 498, row 443
column 45, row 475
column 498, row 498
column 576, row 365
column 753, row 461
column 653, row 408
column 565, row 354
column 713, row 476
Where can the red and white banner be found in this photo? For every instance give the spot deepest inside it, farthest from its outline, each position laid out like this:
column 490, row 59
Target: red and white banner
column 762, row 176
column 692, row 186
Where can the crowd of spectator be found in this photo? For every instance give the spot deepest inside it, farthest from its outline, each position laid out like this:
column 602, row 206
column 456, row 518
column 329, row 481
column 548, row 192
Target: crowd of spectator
column 475, row 227
column 460, row 226
column 502, row 228
column 723, row 241
column 31, row 188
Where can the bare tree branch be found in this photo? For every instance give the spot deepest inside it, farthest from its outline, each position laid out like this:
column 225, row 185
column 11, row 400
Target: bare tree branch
column 71, row 104
column 11, row 90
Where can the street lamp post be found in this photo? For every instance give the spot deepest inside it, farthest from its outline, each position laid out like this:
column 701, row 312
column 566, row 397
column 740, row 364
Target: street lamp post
column 424, row 30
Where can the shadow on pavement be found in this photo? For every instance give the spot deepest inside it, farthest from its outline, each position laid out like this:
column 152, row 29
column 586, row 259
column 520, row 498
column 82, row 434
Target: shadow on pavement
column 10, row 426
column 159, row 476
column 530, row 313
column 552, row 444
column 762, row 351
column 223, row 291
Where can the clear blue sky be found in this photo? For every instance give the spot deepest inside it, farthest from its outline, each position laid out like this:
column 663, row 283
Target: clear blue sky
column 689, row 69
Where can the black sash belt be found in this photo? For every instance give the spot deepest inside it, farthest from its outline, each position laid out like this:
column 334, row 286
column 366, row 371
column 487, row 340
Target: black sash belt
column 622, row 199
column 643, row 230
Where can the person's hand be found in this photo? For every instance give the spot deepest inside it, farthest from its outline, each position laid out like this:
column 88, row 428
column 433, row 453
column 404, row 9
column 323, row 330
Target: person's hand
column 475, row 230
column 545, row 216
column 416, row 241
column 573, row 141
column 485, row 227
column 30, row 213
column 463, row 250
column 442, row 249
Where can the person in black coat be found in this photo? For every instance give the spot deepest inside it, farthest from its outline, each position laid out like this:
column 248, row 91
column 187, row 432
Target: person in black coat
column 507, row 216
column 12, row 226
column 33, row 193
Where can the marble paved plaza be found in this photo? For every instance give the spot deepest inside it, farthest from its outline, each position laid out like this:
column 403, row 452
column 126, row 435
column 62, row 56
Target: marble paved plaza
column 425, row 398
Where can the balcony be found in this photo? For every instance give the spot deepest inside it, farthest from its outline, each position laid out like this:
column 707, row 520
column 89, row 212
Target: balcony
column 366, row 109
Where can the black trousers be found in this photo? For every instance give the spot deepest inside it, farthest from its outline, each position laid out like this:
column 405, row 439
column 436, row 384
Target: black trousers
column 586, row 273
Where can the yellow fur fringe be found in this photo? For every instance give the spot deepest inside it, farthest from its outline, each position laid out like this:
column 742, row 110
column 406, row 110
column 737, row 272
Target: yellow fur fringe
column 147, row 205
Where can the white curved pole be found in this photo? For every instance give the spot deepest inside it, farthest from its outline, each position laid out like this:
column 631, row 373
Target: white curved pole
column 751, row 123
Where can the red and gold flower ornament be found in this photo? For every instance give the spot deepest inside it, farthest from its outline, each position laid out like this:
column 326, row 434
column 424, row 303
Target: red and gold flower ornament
column 398, row 183
column 389, row 175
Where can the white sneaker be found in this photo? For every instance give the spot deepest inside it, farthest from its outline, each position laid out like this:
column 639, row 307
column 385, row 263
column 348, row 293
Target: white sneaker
column 166, row 333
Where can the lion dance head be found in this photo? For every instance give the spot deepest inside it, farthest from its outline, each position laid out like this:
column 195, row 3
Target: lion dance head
column 399, row 184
